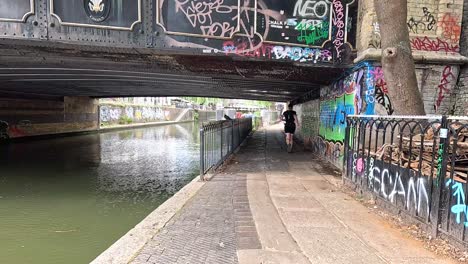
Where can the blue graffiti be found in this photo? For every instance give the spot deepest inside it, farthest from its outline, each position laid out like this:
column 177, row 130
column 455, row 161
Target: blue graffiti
column 460, row 206
column 332, row 117
column 370, row 93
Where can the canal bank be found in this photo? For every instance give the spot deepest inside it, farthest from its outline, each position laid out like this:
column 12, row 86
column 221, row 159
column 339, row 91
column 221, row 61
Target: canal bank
column 141, row 125
column 269, row 206
column 67, row 199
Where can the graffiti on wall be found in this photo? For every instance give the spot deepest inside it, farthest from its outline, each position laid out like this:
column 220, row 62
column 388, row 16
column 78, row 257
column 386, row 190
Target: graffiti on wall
column 344, row 97
column 375, row 41
column 444, row 86
column 20, row 129
column 381, row 90
column 4, row 130
column 316, row 31
column 451, row 28
column 459, row 208
column 430, row 30
column 393, row 184
column 357, row 93
column 437, row 44
column 426, row 22
column 116, row 113
column 308, row 114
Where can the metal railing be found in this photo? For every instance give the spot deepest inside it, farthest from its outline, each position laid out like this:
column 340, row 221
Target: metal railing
column 219, row 139
column 419, row 164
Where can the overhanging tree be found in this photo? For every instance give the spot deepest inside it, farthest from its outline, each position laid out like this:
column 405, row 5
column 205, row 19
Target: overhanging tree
column 397, row 59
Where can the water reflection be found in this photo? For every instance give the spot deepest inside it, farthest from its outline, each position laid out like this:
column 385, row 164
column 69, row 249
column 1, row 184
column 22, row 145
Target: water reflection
column 65, row 200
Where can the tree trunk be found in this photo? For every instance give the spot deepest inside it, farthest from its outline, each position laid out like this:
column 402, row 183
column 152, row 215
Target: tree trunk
column 397, row 60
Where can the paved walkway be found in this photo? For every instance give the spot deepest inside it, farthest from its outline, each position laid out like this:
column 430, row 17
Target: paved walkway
column 274, row 207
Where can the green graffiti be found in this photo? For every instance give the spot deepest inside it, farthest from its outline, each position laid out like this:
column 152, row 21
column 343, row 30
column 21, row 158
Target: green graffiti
column 440, row 154
column 311, row 34
column 333, row 117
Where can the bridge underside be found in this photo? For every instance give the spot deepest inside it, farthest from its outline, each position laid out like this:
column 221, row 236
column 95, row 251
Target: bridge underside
column 65, row 70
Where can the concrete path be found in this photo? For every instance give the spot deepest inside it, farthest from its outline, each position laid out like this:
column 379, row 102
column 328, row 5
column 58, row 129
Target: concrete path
column 273, row 207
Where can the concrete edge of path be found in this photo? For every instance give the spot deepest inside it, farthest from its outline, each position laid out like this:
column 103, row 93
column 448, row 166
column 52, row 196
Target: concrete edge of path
column 127, row 247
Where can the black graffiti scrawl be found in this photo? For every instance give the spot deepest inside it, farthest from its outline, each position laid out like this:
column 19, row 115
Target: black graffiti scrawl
column 97, row 10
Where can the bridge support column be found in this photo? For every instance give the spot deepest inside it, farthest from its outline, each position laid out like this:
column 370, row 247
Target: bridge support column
column 39, row 116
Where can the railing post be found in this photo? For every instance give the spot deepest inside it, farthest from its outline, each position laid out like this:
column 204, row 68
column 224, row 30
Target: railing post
column 346, row 149
column 238, row 133
column 202, row 154
column 232, row 136
column 221, row 136
column 441, row 174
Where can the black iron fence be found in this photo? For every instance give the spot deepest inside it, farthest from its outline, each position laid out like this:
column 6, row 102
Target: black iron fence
column 219, row 139
column 419, row 164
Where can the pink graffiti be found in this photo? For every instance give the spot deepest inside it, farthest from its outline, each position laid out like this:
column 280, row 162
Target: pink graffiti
column 447, row 76
column 244, row 49
column 426, row 44
column 379, row 80
column 360, row 165
column 338, row 22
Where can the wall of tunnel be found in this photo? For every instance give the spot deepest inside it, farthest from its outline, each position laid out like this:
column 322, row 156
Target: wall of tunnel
column 363, row 90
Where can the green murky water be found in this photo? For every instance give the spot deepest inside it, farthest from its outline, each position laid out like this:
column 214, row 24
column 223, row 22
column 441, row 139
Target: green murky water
column 66, row 200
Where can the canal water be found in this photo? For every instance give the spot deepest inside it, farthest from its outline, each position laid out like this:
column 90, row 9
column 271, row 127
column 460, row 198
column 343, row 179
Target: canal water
column 65, row 200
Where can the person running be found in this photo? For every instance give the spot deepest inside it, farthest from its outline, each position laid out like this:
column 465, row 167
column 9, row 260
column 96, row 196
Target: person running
column 291, row 122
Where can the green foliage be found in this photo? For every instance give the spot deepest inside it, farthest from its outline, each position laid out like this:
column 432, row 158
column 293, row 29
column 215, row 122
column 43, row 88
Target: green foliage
column 208, row 100
column 259, row 103
column 124, row 120
column 203, row 100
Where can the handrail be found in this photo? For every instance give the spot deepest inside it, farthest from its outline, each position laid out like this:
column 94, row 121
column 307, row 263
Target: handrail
column 219, row 139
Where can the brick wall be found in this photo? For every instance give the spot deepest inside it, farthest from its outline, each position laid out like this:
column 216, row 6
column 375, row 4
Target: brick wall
column 434, row 25
column 461, row 105
column 437, row 84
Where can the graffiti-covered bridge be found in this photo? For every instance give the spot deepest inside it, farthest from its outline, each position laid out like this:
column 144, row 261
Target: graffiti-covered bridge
column 57, row 57
column 266, row 49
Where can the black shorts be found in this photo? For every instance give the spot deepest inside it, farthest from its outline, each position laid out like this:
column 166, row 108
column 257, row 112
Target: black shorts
column 290, row 128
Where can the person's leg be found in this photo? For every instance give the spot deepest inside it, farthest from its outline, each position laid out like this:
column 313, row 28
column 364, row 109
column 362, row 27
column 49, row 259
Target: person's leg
column 290, row 144
column 287, row 138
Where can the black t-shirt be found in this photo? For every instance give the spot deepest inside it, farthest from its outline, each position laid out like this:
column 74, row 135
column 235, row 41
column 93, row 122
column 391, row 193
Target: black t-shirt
column 289, row 116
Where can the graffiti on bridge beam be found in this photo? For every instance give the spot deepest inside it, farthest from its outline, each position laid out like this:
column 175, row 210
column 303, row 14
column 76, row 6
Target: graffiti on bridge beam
column 311, row 34
column 278, row 52
column 314, row 31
